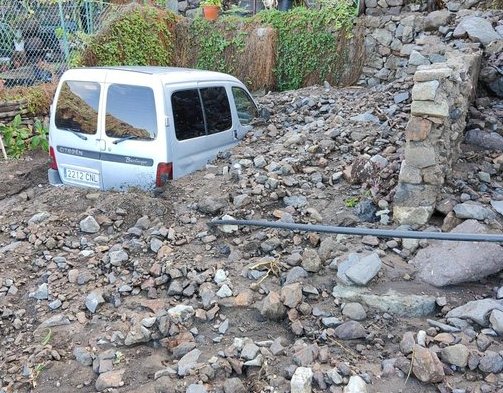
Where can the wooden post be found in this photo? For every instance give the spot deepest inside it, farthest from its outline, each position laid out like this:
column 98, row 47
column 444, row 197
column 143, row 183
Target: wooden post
column 3, row 148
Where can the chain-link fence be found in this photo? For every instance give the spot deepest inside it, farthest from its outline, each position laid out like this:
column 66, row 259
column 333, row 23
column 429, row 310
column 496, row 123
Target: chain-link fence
column 37, row 38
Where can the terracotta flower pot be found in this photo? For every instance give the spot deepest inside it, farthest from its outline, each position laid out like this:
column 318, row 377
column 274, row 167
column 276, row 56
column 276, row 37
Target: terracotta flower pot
column 210, row 12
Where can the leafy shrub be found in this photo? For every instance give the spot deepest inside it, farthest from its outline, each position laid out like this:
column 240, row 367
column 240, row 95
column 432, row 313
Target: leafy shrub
column 19, row 138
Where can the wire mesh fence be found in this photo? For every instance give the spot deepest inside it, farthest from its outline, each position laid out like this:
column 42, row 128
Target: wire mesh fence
column 38, row 38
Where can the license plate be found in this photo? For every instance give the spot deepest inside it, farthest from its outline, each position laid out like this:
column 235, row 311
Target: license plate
column 76, row 175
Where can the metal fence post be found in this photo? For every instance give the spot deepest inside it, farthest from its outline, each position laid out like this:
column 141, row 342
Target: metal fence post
column 63, row 26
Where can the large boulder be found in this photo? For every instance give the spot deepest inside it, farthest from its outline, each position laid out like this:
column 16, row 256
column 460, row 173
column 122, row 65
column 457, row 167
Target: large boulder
column 467, row 261
column 477, row 29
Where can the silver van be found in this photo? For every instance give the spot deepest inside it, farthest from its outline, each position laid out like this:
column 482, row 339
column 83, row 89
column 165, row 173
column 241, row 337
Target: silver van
column 121, row 127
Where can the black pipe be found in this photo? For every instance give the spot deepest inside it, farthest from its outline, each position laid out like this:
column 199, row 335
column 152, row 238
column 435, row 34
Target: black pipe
column 463, row 237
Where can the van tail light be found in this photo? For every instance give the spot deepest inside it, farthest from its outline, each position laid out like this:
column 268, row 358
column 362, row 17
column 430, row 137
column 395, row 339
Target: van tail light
column 54, row 163
column 164, row 173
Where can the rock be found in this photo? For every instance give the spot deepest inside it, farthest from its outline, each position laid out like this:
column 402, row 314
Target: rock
column 426, row 366
column 496, row 320
column 334, row 376
column 224, row 291
column 417, row 59
column 39, row 218
column 181, row 313
column 42, row 292
column 350, row 330
column 435, row 19
column 295, row 274
column 491, row 362
column 234, row 385
column 476, row 310
column 272, row 307
column 292, row 295
column 228, row 228
column 456, row 355
column 196, row 388
column 83, row 356
column 391, row 302
column 110, row 379
column 407, row 343
column 301, row 380
column 311, row 262
column 484, row 139
column 211, row 205
column 430, row 108
column 295, row 201
column 137, row 334
column 117, row 257
column 366, row 210
column 364, row 269
column 188, row 362
column 473, row 210
column 498, row 206
column 367, row 117
column 155, row 244
column 356, row 384
column 425, row 90
column 89, row 225
column 478, row 30
column 354, row 311
column 249, row 351
column 93, row 300
column 468, row 260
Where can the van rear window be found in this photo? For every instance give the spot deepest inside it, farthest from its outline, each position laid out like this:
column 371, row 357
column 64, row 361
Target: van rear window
column 77, row 107
column 198, row 112
column 130, row 112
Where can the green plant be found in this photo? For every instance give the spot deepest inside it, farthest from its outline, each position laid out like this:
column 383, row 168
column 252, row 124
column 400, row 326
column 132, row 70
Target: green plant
column 18, row 138
column 40, row 140
column 351, row 202
column 141, row 36
column 14, row 136
column 217, row 3
column 304, row 34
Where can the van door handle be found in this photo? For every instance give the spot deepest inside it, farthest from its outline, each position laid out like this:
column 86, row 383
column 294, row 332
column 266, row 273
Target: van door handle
column 102, row 144
column 235, row 134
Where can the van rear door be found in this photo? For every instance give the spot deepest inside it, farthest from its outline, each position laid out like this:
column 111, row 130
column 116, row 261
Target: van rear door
column 132, row 144
column 202, row 121
column 75, row 133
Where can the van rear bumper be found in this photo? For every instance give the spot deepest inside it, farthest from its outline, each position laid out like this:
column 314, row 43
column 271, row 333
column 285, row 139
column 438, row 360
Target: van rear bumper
column 54, row 178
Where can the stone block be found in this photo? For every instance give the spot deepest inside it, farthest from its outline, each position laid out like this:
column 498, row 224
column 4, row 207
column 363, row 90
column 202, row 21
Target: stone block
column 425, row 91
column 434, row 175
column 430, row 108
column 430, row 74
column 371, row 3
column 420, row 155
column 417, row 129
column 383, row 36
column 416, row 195
column 412, row 215
column 409, row 174
column 395, row 3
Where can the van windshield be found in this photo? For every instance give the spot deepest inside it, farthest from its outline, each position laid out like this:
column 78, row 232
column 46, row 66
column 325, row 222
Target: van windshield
column 130, row 112
column 77, row 107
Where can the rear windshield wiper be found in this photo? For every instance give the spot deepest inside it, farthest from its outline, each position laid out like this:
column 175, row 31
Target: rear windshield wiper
column 117, row 141
column 131, row 137
column 77, row 132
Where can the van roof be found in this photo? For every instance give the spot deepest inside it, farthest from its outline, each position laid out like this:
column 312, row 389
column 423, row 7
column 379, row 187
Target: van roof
column 172, row 74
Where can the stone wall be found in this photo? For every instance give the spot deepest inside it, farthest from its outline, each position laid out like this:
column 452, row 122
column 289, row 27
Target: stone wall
column 441, row 96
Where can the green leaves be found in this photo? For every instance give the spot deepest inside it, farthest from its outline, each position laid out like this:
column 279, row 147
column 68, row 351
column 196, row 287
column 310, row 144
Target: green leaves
column 308, row 41
column 18, row 138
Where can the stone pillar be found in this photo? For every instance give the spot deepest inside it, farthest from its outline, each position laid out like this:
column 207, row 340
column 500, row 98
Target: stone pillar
column 441, row 95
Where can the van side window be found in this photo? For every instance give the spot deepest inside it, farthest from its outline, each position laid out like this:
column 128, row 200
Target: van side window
column 77, row 107
column 244, row 104
column 216, row 109
column 188, row 114
column 130, row 112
